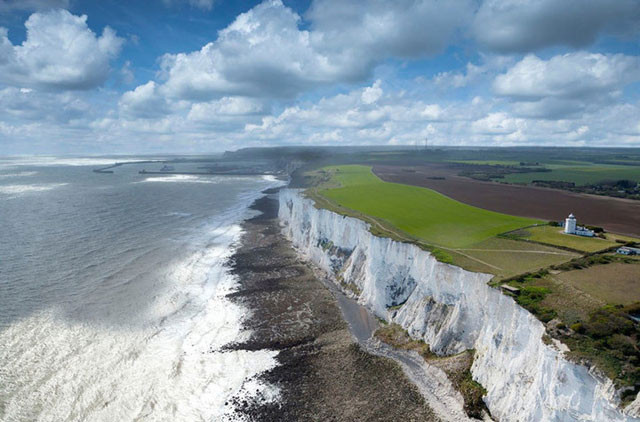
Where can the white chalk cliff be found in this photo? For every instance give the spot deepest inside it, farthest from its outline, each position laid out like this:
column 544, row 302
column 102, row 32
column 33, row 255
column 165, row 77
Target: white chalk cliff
column 452, row 310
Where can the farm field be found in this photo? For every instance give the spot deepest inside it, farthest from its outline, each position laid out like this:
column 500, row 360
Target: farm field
column 615, row 215
column 420, row 212
column 510, row 257
column 580, row 175
column 553, row 235
column 616, row 283
column 582, row 293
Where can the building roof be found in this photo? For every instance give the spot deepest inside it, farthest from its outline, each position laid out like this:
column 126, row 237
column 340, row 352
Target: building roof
column 629, row 248
column 510, row 288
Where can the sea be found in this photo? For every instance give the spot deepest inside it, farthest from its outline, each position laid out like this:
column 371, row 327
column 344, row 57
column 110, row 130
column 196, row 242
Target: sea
column 113, row 293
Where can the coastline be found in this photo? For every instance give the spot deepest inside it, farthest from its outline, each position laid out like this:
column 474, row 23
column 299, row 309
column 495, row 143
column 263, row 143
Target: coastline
column 322, row 373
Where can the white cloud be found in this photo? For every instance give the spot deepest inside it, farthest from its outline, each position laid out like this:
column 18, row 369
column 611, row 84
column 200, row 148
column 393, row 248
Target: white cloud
column 473, row 73
column 528, row 25
column 227, row 106
column 371, row 94
column 261, row 54
column 27, row 105
column 347, row 118
column 126, row 73
column 264, row 53
column 59, row 53
column 499, row 123
column 359, row 34
column 143, row 102
column 354, row 118
column 566, row 84
column 243, row 88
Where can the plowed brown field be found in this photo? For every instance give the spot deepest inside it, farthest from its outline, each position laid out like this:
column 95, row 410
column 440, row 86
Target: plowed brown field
column 615, row 215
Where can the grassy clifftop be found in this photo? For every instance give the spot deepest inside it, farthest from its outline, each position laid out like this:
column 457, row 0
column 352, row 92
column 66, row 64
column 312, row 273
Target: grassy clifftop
column 420, row 212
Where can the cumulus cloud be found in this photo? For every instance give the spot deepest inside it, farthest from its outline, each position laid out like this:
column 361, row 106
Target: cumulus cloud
column 25, row 105
column 227, row 107
column 359, row 34
column 473, row 73
column 60, row 53
column 265, row 53
column 362, row 116
column 526, row 25
column 244, row 87
column 262, row 53
column 566, row 83
column 143, row 102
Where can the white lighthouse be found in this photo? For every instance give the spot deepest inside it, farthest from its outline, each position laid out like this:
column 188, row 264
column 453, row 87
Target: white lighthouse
column 571, row 227
column 570, row 224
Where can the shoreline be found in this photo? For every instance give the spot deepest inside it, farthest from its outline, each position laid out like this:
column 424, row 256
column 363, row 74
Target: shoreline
column 323, row 374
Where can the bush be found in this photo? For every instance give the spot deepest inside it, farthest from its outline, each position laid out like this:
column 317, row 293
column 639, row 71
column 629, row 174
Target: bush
column 578, row 327
column 633, row 309
column 530, row 295
column 530, row 298
column 604, row 322
column 596, row 229
column 545, row 314
column 623, row 343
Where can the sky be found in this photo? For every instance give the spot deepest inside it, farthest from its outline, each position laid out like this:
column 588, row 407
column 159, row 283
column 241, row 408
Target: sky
column 201, row 76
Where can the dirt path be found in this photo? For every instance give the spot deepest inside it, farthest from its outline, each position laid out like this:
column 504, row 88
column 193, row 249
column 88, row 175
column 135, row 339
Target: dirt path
column 432, row 382
column 516, row 251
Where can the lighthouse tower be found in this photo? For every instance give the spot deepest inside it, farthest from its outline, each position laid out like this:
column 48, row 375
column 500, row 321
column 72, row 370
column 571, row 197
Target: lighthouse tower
column 570, row 224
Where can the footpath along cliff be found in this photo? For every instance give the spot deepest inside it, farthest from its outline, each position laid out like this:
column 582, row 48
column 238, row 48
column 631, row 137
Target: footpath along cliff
column 453, row 310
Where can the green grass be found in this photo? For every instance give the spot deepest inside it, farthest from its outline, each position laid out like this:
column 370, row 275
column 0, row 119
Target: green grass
column 552, row 235
column 514, row 257
column 580, row 175
column 601, row 334
column 420, row 212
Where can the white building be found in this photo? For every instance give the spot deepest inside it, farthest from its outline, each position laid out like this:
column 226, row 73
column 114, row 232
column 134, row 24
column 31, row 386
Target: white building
column 570, row 224
column 626, row 250
column 571, row 227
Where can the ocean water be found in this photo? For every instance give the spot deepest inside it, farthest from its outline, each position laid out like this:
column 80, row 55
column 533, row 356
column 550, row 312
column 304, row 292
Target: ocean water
column 113, row 294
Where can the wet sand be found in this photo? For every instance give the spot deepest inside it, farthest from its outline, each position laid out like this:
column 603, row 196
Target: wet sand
column 614, row 214
column 323, row 374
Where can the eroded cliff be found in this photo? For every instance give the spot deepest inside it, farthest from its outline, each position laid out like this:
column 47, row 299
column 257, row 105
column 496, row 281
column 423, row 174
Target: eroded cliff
column 452, row 310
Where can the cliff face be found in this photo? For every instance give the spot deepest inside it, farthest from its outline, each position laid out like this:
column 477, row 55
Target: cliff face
column 452, row 310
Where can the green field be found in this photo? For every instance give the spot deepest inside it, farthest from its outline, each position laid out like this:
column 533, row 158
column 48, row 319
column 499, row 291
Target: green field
column 580, row 175
column 554, row 236
column 419, row 212
column 509, row 257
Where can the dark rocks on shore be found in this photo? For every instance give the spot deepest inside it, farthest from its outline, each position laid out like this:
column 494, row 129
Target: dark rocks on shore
column 322, row 374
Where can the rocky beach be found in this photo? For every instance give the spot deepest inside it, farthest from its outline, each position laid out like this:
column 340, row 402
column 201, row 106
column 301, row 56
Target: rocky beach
column 322, row 373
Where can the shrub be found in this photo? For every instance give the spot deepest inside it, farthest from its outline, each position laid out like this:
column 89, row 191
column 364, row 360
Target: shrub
column 605, row 322
column 546, row 314
column 578, row 327
column 531, row 295
column 622, row 343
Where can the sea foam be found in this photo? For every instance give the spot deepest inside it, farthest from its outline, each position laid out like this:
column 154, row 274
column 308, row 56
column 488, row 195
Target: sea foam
column 20, row 189
column 170, row 365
